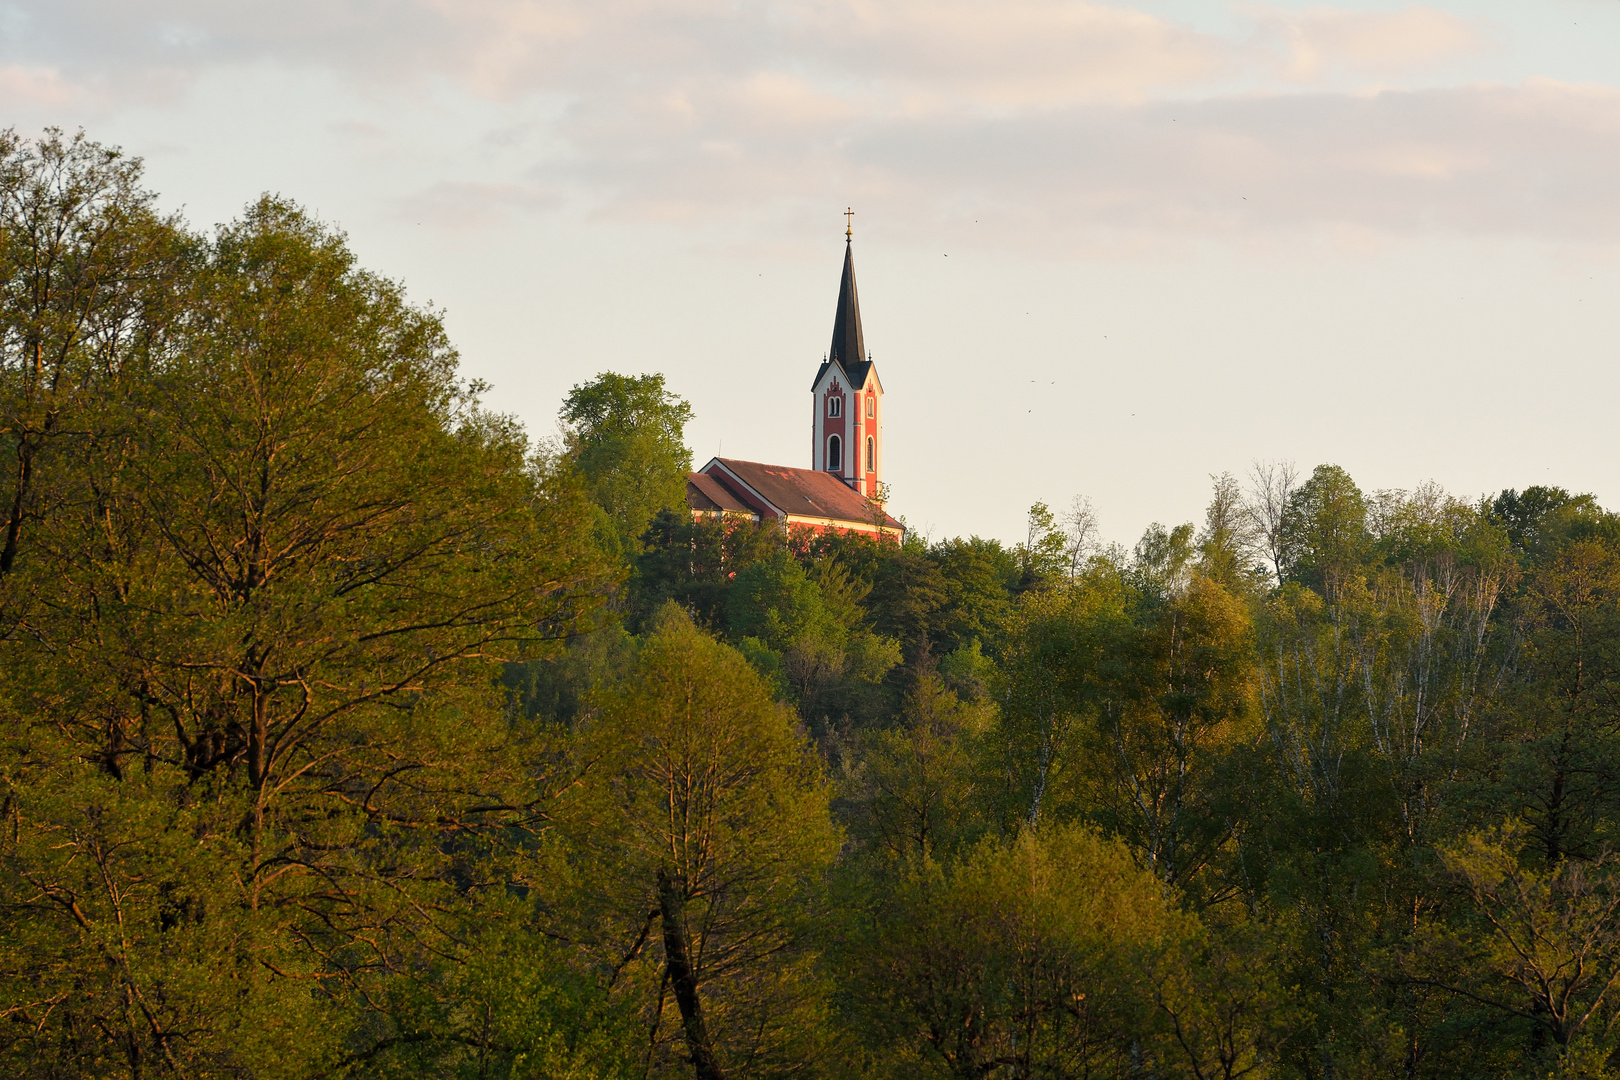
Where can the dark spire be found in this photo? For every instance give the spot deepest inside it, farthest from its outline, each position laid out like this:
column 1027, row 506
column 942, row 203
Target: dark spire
column 848, row 346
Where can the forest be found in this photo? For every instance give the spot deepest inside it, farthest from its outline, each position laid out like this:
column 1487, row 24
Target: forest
column 348, row 731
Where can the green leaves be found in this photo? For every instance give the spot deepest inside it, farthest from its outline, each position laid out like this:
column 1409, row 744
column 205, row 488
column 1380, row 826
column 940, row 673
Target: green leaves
column 257, row 700
column 1544, row 945
column 342, row 733
column 627, row 436
column 703, row 834
column 1020, row 959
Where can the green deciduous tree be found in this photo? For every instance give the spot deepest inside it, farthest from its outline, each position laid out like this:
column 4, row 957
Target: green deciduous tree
column 88, row 277
column 1173, row 708
column 703, row 837
column 1326, row 538
column 1541, row 947
column 809, row 633
column 916, row 784
column 1060, row 643
column 627, row 435
column 1559, row 763
column 1230, row 549
column 260, row 692
column 1044, row 553
column 1022, row 959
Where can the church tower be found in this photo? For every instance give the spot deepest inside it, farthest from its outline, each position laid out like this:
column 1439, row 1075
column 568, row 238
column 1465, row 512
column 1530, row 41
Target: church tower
column 847, row 396
column 842, row 490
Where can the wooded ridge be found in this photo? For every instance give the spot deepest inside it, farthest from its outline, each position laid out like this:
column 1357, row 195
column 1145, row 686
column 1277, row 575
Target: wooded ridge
column 346, row 732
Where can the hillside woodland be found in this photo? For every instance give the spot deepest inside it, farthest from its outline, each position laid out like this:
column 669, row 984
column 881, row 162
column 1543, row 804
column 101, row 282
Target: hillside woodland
column 347, row 732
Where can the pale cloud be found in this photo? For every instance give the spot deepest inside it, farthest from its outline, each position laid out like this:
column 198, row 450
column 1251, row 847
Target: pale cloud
column 467, row 205
column 1534, row 160
column 24, row 86
column 1324, row 42
column 1011, row 54
column 1071, row 123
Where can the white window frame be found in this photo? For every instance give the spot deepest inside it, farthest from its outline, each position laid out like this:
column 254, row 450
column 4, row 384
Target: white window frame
column 835, row 449
column 835, row 406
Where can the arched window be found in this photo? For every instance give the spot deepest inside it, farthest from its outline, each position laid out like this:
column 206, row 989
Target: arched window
column 870, row 458
column 871, row 404
column 835, row 406
column 835, row 454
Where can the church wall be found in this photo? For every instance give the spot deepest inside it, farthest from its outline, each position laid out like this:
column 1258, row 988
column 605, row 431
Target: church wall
column 815, row 527
column 862, row 427
column 832, row 388
column 876, row 423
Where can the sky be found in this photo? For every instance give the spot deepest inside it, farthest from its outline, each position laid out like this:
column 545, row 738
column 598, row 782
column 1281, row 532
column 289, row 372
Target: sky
column 1104, row 249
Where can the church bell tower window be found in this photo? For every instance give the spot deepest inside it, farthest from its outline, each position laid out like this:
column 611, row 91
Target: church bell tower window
column 871, row 404
column 835, row 457
column 869, row 456
column 835, row 406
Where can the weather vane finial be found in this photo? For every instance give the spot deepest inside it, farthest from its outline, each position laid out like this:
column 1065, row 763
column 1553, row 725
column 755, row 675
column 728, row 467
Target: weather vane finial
column 849, row 231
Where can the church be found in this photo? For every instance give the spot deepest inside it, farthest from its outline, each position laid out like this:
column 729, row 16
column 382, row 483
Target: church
column 843, row 487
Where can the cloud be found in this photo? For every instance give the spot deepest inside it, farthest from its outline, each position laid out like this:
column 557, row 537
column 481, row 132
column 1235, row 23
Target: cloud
column 1322, row 43
column 24, row 86
column 1017, row 53
column 1012, row 54
column 1072, row 123
column 464, row 205
column 1539, row 159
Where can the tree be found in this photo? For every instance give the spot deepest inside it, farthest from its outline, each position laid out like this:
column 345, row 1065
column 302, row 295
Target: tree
column 1271, row 488
column 87, row 270
column 1003, row 964
column 1540, row 520
column 1124, row 694
column 1557, row 758
column 1326, row 536
column 916, row 786
column 261, row 692
column 627, row 435
column 808, row 633
column 1175, row 702
column 692, row 562
column 1057, row 642
column 1542, row 948
column 703, row 835
column 1381, row 704
column 1163, row 559
column 1228, row 544
column 1045, row 551
column 906, row 601
column 1079, row 535
column 979, row 579
column 1221, row 992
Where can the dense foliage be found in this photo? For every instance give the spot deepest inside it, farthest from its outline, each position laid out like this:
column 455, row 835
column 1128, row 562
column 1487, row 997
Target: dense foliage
column 345, row 733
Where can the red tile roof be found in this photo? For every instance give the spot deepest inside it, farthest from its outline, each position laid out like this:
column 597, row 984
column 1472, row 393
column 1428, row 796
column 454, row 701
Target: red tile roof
column 709, row 495
column 798, row 493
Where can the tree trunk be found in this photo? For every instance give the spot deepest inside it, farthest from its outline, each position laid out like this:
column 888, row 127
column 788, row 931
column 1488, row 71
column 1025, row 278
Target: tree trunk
column 683, row 981
column 14, row 523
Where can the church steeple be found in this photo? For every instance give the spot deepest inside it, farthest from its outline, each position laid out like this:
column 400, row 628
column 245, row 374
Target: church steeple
column 848, row 417
column 848, row 344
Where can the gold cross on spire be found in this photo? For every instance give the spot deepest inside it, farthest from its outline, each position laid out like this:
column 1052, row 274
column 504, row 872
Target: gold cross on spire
column 849, row 232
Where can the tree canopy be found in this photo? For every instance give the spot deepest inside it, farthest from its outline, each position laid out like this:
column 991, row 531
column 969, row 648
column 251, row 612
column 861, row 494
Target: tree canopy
column 346, row 733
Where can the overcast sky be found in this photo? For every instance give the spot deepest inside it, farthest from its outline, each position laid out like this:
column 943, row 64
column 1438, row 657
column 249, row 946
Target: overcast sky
column 1103, row 249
